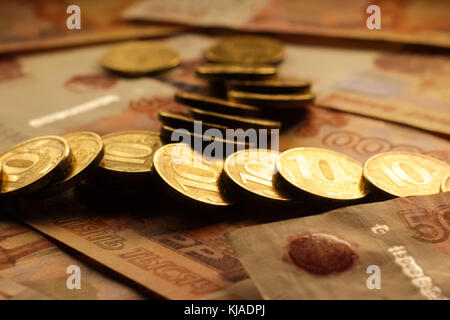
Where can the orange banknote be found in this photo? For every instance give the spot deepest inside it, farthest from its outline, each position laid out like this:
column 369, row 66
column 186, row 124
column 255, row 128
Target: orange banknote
column 36, row 25
column 413, row 21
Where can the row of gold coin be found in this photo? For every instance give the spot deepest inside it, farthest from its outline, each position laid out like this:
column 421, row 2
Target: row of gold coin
column 133, row 158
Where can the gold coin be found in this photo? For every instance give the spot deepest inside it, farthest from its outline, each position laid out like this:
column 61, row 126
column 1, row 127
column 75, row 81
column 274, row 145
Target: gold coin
column 253, row 170
column 228, row 146
column 323, row 173
column 32, row 164
column 178, row 120
column 216, row 105
column 272, row 86
column 272, row 101
column 230, row 71
column 405, row 174
column 140, row 57
column 246, row 50
column 130, row 152
column 188, row 173
column 235, row 122
column 445, row 185
column 87, row 152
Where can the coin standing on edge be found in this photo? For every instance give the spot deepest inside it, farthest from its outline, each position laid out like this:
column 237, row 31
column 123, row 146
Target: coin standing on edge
column 140, row 57
column 253, row 171
column 87, row 152
column 405, row 174
column 445, row 185
column 33, row 164
column 323, row 173
column 246, row 49
column 189, row 174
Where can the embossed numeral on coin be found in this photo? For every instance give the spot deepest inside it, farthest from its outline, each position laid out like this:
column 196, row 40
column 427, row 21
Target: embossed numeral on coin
column 127, row 152
column 322, row 169
column 256, row 175
column 401, row 172
column 19, row 163
column 198, row 176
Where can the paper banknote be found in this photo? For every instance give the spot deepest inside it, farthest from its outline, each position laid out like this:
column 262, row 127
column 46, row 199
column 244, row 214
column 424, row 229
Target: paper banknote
column 10, row 290
column 36, row 25
column 416, row 21
column 404, row 242
column 86, row 97
column 31, row 261
column 178, row 254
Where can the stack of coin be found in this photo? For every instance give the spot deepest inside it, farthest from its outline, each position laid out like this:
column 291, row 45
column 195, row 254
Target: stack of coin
column 240, row 58
column 281, row 99
column 213, row 119
column 244, row 72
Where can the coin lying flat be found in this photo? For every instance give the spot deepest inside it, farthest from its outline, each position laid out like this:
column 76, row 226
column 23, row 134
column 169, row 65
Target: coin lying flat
column 272, row 86
column 216, row 105
column 323, row 173
column 32, row 164
column 445, row 185
column 281, row 101
column 231, row 71
column 405, row 174
column 87, row 152
column 140, row 57
column 235, row 122
column 178, row 120
column 246, row 50
column 187, row 172
column 253, row 171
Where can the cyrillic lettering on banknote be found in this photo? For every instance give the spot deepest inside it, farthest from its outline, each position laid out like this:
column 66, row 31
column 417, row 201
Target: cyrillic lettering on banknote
column 229, row 267
column 169, row 271
column 95, row 231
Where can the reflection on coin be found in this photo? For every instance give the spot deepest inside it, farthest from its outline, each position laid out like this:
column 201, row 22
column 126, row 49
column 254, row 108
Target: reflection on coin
column 187, row 172
column 171, row 135
column 32, row 164
column 177, row 120
column 230, row 71
column 445, row 185
column 253, row 170
column 323, row 173
column 87, row 152
column 235, row 122
column 130, row 152
column 216, row 105
column 246, row 50
column 405, row 174
column 140, row 57
column 271, row 101
column 273, row 86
